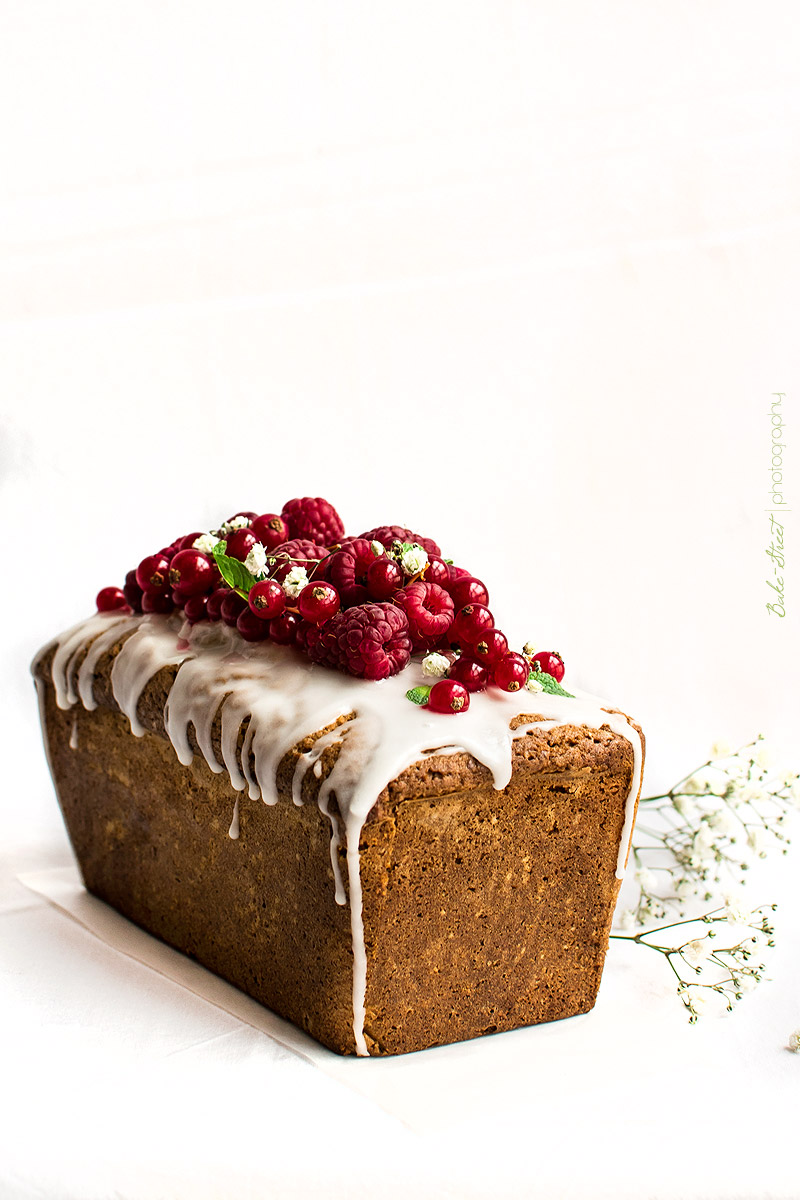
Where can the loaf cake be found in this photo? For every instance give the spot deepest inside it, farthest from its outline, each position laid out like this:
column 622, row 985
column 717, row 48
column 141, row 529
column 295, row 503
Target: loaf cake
column 283, row 797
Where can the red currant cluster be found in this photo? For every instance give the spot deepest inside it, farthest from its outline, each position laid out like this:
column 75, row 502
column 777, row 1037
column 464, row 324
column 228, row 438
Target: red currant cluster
column 361, row 605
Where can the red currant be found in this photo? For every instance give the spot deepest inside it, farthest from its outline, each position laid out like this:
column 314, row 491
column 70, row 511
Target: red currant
column 266, row 599
column 283, row 629
column 133, row 593
column 511, row 672
column 240, row 543
column 244, row 512
column 152, row 573
column 215, row 603
column 549, row 661
column 191, row 572
column 195, row 609
column 231, row 606
column 468, row 590
column 384, row 578
column 491, row 647
column 251, row 627
column 473, row 675
column 470, row 622
column 437, row 571
column 157, row 602
column 271, row 530
column 448, row 696
column 187, row 541
column 318, row 602
column 111, row 599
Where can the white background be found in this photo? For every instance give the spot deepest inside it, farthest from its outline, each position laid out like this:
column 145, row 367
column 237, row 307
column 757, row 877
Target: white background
column 521, row 276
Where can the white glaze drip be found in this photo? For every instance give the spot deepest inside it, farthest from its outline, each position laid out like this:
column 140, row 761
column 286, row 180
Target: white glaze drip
column 73, row 734
column 233, row 832
column 283, row 698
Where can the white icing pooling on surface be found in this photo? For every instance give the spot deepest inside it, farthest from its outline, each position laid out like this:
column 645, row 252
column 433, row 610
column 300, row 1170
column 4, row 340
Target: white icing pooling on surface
column 282, row 697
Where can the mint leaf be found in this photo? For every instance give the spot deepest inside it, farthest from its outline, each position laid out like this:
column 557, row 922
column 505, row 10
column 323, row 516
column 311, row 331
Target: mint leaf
column 419, row 695
column 549, row 684
column 232, row 571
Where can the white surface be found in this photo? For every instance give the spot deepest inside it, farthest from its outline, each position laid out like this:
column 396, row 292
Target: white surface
column 520, row 275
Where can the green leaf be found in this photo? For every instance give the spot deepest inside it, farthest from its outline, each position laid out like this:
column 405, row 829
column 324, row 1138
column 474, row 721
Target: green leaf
column 419, row 695
column 233, row 572
column 549, row 684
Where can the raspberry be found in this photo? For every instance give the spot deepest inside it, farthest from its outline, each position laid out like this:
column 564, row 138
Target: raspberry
column 386, row 534
column 303, row 552
column 429, row 610
column 315, row 519
column 371, row 641
column 348, row 571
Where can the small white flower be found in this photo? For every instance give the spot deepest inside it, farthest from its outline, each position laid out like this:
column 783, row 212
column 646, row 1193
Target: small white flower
column 529, row 649
column 721, row 748
column 735, row 911
column 752, row 795
column 627, row 919
column 693, row 785
column 295, row 581
column 703, row 840
column 757, row 841
column 745, row 983
column 234, row 524
column 687, row 808
column 435, row 664
column 205, row 543
column 685, row 889
column 414, row 560
column 724, row 822
column 764, row 756
column 646, row 879
column 256, row 561
column 533, row 685
column 697, row 952
column 377, row 548
column 697, row 999
column 794, row 1041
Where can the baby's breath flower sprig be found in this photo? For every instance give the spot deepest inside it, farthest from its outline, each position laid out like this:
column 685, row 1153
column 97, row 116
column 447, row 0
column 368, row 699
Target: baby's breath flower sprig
column 735, row 968
column 706, row 831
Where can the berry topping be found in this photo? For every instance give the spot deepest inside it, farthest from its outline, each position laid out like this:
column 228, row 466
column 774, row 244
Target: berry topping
column 192, row 572
column 386, row 534
column 511, row 672
column 429, row 610
column 157, row 602
column 384, row 578
column 348, row 571
column 215, row 603
column 133, row 593
column 468, row 590
column 473, row 675
column 315, row 519
column 370, row 640
column 448, row 696
column 152, row 574
column 196, row 609
column 250, row 627
column 187, row 541
column 284, row 628
column 232, row 604
column 271, row 530
column 470, row 622
column 267, row 599
column 318, row 602
column 549, row 661
column 111, row 599
column 491, row 647
column 240, row 543
column 298, row 552
column 437, row 571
